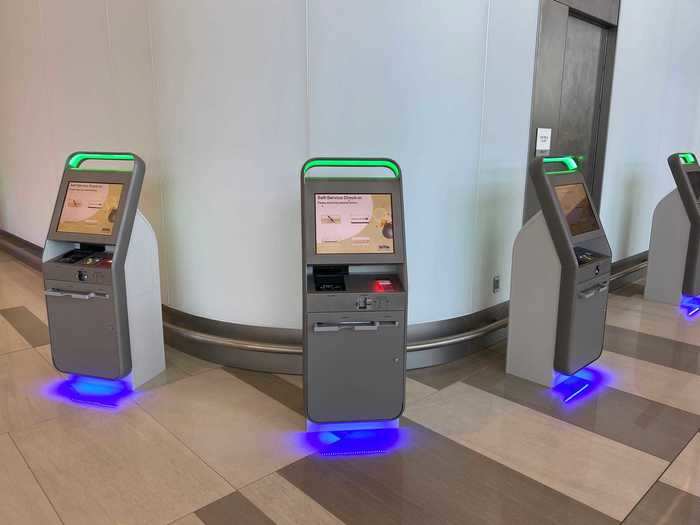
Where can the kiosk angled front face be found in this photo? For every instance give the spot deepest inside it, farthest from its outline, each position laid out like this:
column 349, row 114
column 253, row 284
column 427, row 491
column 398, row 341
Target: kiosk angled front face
column 585, row 257
column 686, row 173
column 83, row 266
column 355, row 290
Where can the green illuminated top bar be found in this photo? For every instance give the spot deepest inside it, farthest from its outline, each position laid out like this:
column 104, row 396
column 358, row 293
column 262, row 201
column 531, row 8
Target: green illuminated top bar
column 688, row 158
column 353, row 163
column 568, row 161
column 76, row 160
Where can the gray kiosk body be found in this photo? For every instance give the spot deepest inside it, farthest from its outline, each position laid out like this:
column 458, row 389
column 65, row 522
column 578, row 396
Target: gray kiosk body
column 354, row 290
column 674, row 248
column 560, row 278
column 101, row 292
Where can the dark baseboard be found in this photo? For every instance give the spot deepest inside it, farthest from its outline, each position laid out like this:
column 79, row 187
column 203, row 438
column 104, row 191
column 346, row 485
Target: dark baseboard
column 25, row 251
column 626, row 263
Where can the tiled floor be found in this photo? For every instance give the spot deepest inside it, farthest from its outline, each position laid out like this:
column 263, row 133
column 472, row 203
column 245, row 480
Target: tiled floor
column 203, row 445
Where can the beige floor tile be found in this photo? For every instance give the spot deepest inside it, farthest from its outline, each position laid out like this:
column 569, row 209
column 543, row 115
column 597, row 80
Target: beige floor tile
column 190, row 519
column 684, row 472
column 24, row 377
column 285, row 504
column 170, row 375
column 661, row 320
column 117, row 468
column 656, row 382
column 187, row 363
column 242, row 433
column 296, row 380
column 10, row 339
column 22, row 286
column 592, row 469
column 21, row 498
column 45, row 353
column 416, row 391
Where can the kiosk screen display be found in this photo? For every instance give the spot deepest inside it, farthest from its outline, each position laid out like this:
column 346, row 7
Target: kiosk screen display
column 577, row 208
column 90, row 208
column 694, row 178
column 348, row 223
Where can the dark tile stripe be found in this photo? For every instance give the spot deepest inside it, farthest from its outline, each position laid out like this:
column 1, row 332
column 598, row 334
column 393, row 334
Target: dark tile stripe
column 234, row 509
column 665, row 505
column 630, row 290
column 28, row 325
column 658, row 350
column 275, row 387
column 443, row 376
column 637, row 422
column 432, row 480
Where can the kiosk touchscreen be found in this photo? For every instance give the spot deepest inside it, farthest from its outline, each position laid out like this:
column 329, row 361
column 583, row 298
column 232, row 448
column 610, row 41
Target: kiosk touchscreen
column 355, row 291
column 101, row 278
column 560, row 277
column 673, row 273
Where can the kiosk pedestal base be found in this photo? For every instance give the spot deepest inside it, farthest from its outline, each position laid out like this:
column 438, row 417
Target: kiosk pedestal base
column 355, row 425
column 668, row 249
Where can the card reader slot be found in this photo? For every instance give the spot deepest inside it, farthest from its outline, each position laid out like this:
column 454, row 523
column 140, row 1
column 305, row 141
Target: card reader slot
column 54, row 292
column 357, row 326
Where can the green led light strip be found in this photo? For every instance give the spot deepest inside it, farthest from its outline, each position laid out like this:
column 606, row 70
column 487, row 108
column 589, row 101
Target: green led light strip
column 352, row 163
column 76, row 160
column 568, row 161
column 688, row 158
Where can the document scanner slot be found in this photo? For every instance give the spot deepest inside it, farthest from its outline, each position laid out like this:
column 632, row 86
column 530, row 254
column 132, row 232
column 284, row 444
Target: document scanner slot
column 357, row 326
column 53, row 292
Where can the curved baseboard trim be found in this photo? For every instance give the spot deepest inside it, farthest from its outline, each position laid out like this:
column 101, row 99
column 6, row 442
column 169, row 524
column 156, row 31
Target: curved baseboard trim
column 280, row 350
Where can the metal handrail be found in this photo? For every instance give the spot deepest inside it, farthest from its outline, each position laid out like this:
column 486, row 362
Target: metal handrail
column 438, row 342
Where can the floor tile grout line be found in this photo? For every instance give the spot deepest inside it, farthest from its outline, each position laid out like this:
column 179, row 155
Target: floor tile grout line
column 183, row 443
column 41, row 487
column 658, row 480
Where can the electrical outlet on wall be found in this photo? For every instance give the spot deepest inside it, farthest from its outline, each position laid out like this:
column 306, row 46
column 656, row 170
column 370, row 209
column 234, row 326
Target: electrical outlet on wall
column 496, row 283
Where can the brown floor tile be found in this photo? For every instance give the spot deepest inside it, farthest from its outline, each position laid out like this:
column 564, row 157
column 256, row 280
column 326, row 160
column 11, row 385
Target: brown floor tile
column 432, row 480
column 439, row 377
column 10, row 339
column 241, row 432
column 24, row 376
column 21, row 499
column 167, row 376
column 658, row 350
column 665, row 505
column 117, row 467
column 592, row 469
column 640, row 423
column 28, row 325
column 233, row 509
column 190, row 519
column 273, row 386
column 630, row 290
column 684, row 472
column 285, row 504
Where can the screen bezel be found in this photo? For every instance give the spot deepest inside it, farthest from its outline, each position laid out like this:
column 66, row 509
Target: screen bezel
column 90, row 176
column 565, row 180
column 313, row 185
column 343, row 254
column 563, row 214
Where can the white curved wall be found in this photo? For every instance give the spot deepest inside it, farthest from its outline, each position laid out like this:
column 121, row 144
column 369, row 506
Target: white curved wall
column 225, row 100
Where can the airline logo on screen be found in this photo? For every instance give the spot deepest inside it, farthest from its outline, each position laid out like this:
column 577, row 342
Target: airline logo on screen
column 354, row 223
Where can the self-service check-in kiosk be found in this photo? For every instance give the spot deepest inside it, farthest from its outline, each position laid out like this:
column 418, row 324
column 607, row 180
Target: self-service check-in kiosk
column 355, row 293
column 559, row 281
column 673, row 272
column 101, row 275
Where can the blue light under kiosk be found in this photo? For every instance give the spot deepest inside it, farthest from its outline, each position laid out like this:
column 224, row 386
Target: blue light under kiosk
column 690, row 305
column 581, row 385
column 92, row 391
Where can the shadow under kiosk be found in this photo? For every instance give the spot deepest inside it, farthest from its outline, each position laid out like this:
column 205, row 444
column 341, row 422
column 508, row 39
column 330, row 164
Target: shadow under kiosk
column 101, row 275
column 354, row 293
column 673, row 273
column 559, row 281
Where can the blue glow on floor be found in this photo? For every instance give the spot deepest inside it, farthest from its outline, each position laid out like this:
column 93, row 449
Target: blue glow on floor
column 584, row 384
column 352, row 425
column 690, row 306
column 92, row 392
column 363, row 442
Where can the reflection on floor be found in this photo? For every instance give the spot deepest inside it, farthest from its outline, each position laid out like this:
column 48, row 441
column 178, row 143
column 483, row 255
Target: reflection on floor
column 208, row 445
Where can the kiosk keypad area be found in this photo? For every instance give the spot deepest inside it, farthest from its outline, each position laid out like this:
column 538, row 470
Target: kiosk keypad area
column 355, row 292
